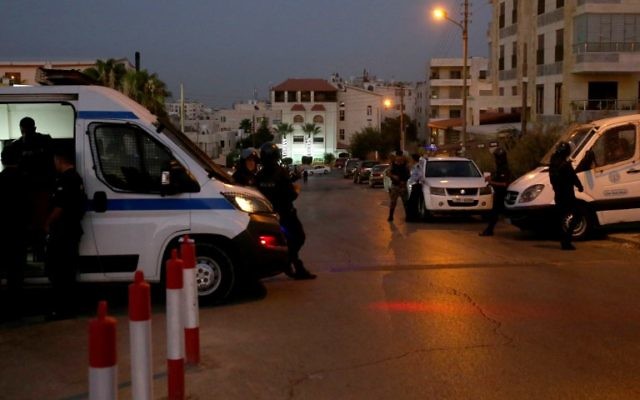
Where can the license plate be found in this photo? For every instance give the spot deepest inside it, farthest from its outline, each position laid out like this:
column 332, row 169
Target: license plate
column 464, row 200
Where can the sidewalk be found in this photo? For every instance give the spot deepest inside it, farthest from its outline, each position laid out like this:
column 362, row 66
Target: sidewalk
column 632, row 239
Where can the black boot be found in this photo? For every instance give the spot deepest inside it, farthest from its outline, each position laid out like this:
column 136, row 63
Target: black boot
column 301, row 272
column 391, row 210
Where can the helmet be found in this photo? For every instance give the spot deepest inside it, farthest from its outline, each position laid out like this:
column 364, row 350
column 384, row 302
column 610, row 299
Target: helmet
column 269, row 153
column 248, row 153
column 563, row 149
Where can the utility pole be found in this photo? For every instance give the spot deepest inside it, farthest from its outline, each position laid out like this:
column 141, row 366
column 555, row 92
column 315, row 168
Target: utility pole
column 400, row 92
column 181, row 108
column 465, row 47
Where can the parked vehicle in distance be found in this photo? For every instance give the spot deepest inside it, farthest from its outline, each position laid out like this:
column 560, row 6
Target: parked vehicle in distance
column 363, row 170
column 349, row 167
column 453, row 185
column 318, row 170
column 377, row 175
column 339, row 163
column 605, row 158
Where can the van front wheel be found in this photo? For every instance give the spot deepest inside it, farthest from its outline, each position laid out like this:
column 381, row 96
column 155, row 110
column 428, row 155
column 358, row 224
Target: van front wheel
column 215, row 275
column 584, row 227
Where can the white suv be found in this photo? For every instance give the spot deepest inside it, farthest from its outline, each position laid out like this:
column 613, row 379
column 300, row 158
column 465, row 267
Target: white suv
column 452, row 185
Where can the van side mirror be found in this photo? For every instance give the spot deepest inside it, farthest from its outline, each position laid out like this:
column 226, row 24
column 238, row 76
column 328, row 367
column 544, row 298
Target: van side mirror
column 587, row 162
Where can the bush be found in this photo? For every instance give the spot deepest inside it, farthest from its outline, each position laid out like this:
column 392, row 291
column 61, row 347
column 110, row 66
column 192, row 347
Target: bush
column 329, row 158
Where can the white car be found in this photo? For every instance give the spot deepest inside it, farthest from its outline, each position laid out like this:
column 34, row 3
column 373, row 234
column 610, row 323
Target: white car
column 318, row 170
column 452, row 185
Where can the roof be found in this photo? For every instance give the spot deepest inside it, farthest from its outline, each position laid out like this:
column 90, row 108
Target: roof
column 317, row 85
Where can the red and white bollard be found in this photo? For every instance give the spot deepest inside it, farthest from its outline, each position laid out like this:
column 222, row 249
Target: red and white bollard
column 140, row 338
column 103, row 370
column 191, row 317
column 175, row 328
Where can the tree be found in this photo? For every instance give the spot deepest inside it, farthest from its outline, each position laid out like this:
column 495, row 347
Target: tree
column 246, row 125
column 329, row 158
column 311, row 129
column 369, row 140
column 109, row 73
column 391, row 131
column 283, row 129
column 262, row 135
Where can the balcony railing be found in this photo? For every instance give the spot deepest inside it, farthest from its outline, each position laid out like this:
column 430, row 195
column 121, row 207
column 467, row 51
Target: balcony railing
column 604, row 104
column 610, row 47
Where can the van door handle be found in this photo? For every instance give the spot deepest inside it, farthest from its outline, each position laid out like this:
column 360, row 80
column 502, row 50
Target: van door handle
column 99, row 202
column 633, row 171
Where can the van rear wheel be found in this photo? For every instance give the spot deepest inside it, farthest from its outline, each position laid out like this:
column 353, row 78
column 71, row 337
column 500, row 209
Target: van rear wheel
column 215, row 274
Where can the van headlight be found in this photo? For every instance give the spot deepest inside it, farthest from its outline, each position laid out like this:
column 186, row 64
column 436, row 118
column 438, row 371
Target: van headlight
column 247, row 203
column 531, row 193
column 485, row 190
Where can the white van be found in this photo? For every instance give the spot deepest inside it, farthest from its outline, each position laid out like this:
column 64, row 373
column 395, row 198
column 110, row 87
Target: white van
column 606, row 157
column 148, row 185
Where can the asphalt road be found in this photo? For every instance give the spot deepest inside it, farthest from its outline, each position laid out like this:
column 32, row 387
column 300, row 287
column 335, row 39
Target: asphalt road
column 399, row 311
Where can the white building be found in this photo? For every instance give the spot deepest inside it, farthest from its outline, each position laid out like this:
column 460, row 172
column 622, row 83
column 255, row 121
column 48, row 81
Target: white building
column 357, row 109
column 26, row 72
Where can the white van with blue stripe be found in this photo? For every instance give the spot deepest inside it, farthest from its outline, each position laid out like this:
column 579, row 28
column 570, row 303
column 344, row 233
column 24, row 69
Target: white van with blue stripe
column 148, row 185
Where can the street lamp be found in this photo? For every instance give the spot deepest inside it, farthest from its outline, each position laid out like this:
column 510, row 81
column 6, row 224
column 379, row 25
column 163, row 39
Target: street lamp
column 440, row 14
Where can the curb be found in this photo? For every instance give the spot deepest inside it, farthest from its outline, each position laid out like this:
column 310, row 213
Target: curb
column 624, row 239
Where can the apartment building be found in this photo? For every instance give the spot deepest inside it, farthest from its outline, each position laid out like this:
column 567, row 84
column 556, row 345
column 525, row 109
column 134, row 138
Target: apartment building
column 302, row 101
column 566, row 60
column 26, row 72
column 358, row 109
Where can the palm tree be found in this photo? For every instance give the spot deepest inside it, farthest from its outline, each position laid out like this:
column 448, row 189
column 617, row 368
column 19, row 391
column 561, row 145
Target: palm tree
column 147, row 90
column 284, row 129
column 108, row 73
column 311, row 129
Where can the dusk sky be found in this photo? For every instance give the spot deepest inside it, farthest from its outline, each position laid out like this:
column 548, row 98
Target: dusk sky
column 222, row 50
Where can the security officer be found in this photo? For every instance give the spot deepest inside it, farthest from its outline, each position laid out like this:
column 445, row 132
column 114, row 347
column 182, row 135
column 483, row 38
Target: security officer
column 499, row 180
column 36, row 165
column 563, row 178
column 399, row 174
column 64, row 232
column 275, row 184
column 245, row 173
column 13, row 229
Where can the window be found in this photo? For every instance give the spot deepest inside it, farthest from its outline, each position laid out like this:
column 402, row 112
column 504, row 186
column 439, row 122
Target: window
column 341, row 134
column 298, row 119
column 305, row 97
column 318, row 119
column 298, row 139
column 455, row 92
column 278, row 97
column 369, row 110
column 539, row 99
column 540, row 50
column 559, row 56
column 456, row 74
column 514, row 90
column 616, row 145
column 223, row 118
column 128, row 159
column 557, row 98
column 501, row 91
column 540, row 7
column 292, row 96
column 341, row 115
column 514, row 55
column 559, row 3
column 514, row 12
column 501, row 18
column 501, row 59
column 318, row 139
column 482, row 74
column 222, row 144
column 455, row 113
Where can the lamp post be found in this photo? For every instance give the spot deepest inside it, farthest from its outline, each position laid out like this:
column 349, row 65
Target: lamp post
column 441, row 14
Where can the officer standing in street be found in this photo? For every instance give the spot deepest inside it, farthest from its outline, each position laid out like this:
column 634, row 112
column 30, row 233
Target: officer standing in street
column 13, row 230
column 275, row 184
column 499, row 180
column 563, row 178
column 247, row 168
column 64, row 231
column 399, row 173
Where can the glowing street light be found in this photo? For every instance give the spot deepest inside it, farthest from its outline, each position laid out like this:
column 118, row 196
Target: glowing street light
column 441, row 14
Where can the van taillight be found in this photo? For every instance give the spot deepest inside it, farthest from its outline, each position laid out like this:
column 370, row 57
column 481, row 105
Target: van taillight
column 269, row 241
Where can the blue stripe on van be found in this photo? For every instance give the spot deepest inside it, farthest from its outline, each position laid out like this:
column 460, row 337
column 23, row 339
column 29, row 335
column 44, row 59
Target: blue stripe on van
column 106, row 115
column 168, row 204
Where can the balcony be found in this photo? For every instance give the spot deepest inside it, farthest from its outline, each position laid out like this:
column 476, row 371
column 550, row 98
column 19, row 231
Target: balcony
column 445, row 82
column 445, row 102
column 593, row 109
column 606, row 57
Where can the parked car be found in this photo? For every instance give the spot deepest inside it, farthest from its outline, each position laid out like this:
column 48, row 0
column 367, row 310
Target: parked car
column 350, row 167
column 363, row 170
column 339, row 163
column 376, row 178
column 318, row 170
column 453, row 185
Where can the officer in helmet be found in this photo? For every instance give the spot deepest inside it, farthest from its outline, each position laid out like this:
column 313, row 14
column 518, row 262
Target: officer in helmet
column 563, row 178
column 247, row 167
column 499, row 180
column 275, row 184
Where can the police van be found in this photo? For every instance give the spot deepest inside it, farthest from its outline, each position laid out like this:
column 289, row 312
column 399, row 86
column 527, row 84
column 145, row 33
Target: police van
column 148, row 185
column 606, row 158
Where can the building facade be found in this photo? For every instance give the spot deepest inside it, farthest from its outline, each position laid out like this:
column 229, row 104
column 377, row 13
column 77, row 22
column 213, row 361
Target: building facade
column 26, row 72
column 566, row 60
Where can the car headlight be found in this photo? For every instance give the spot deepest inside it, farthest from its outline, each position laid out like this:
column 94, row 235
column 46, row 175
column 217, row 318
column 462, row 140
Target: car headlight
column 485, row 190
column 247, row 203
column 531, row 193
column 438, row 191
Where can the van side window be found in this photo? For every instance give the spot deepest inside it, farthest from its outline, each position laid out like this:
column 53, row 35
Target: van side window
column 128, row 159
column 615, row 145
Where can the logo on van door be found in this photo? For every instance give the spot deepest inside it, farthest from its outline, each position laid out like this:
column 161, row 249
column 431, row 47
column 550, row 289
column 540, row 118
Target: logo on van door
column 615, row 192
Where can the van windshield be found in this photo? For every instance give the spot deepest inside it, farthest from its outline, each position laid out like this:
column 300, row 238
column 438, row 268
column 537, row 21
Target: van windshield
column 182, row 141
column 577, row 137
